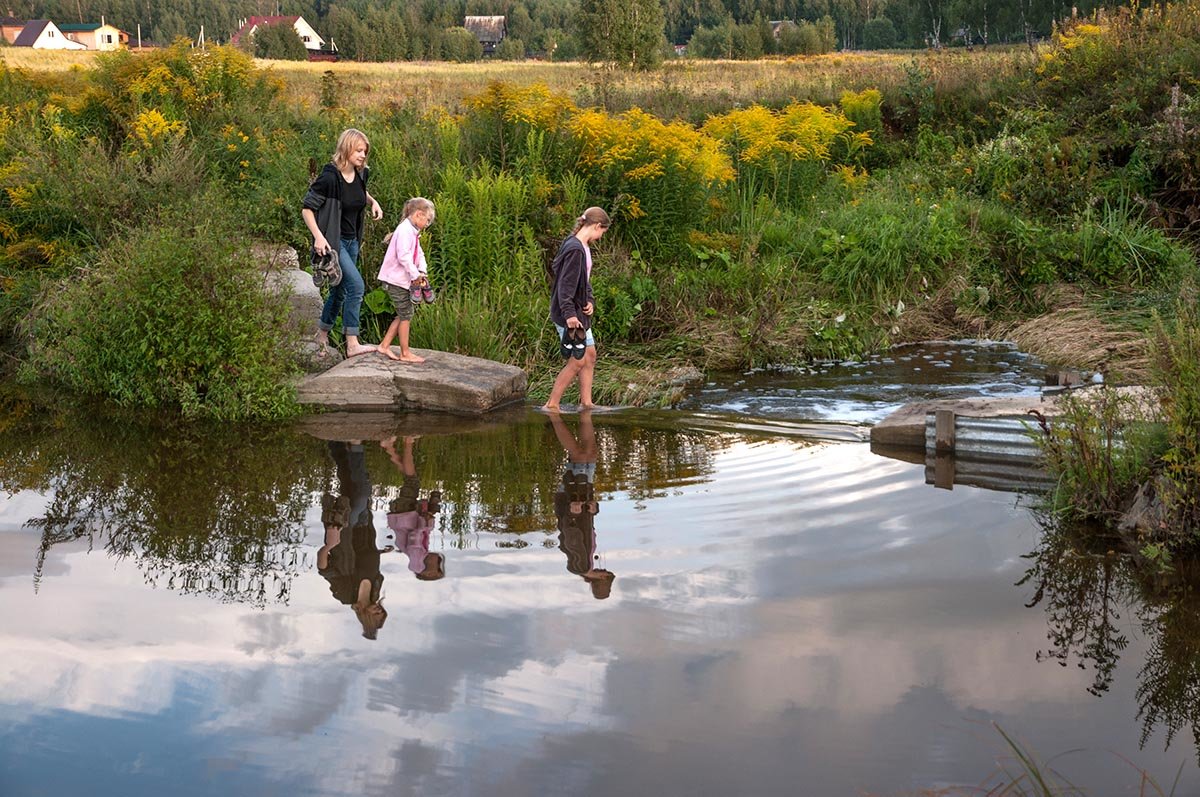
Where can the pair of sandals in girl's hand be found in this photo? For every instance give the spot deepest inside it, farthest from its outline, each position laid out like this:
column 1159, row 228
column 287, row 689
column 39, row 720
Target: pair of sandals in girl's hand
column 421, row 293
column 574, row 342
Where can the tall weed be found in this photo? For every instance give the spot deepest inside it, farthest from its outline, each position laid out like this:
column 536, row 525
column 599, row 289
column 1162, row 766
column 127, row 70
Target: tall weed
column 1099, row 450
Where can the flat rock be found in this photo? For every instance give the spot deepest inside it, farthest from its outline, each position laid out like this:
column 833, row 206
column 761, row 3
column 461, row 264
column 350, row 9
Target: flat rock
column 445, row 382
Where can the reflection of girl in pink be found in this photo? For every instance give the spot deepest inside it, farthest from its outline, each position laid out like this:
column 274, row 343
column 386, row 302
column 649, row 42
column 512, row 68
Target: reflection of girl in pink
column 411, row 518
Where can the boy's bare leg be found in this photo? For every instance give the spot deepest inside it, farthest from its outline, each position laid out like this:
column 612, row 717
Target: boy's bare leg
column 385, row 345
column 406, row 354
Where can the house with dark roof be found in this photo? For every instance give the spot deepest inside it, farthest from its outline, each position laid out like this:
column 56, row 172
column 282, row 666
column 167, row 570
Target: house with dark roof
column 42, row 34
column 312, row 40
column 490, row 31
column 10, row 28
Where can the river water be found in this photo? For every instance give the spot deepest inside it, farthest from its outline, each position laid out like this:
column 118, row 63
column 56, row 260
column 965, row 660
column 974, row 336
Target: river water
column 730, row 599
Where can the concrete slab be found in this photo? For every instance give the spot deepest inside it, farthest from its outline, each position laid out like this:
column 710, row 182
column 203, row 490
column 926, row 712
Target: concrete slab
column 906, row 426
column 445, row 382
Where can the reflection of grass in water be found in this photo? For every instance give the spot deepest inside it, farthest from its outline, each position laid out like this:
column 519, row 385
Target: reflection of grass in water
column 503, row 480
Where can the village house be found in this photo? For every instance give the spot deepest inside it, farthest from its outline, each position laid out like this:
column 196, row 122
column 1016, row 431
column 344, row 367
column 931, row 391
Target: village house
column 42, row 34
column 96, row 35
column 312, row 40
column 490, row 31
column 777, row 26
column 10, row 28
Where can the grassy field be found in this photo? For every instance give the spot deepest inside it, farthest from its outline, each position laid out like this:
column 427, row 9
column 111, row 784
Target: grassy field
column 681, row 88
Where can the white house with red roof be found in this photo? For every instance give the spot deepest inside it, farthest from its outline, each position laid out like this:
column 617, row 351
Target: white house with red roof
column 312, row 40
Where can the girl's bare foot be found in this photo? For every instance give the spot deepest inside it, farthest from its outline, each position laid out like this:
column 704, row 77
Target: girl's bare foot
column 551, row 408
column 409, row 357
column 354, row 351
column 386, row 351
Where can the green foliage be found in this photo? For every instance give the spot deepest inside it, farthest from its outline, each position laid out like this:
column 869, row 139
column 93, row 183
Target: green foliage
column 280, row 42
column 461, row 46
column 172, row 315
column 1176, row 356
column 483, row 232
column 1017, row 255
column 886, row 246
column 625, row 33
column 879, row 34
column 511, row 49
column 1114, row 247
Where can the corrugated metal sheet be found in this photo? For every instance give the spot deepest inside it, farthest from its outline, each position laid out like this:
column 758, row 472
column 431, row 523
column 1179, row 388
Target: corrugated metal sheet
column 1008, row 477
column 1004, row 439
column 992, row 453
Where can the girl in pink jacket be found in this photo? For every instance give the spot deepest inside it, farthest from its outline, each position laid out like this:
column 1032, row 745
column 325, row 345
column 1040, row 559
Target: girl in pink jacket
column 404, row 273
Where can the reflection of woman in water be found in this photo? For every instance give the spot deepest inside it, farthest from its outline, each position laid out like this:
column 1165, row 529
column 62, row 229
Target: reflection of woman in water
column 576, row 507
column 349, row 560
column 411, row 518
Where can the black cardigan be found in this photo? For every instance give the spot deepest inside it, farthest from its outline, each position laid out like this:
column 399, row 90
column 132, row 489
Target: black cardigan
column 572, row 288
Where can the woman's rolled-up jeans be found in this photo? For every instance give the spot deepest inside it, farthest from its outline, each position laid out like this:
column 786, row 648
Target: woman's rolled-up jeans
column 348, row 295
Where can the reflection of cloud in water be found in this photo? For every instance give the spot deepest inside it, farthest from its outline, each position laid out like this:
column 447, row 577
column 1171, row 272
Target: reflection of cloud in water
column 810, row 614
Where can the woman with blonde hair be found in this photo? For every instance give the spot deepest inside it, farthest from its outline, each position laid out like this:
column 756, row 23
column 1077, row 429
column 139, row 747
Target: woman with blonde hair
column 572, row 305
column 333, row 211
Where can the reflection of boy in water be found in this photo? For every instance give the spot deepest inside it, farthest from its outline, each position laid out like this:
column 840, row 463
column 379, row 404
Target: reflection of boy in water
column 411, row 518
column 351, row 566
column 575, row 505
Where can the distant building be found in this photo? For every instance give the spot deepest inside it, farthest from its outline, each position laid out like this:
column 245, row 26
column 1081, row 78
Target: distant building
column 312, row 40
column 96, row 35
column 490, row 31
column 42, row 34
column 777, row 26
column 10, row 28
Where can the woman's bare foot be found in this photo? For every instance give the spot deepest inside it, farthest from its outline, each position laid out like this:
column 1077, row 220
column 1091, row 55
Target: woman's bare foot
column 409, row 357
column 551, row 408
column 354, row 351
column 386, row 351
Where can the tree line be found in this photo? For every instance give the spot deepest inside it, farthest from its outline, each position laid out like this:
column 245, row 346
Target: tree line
column 388, row 30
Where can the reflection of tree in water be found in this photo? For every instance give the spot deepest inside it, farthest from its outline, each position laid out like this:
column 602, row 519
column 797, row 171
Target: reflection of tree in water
column 1169, row 682
column 1084, row 585
column 213, row 510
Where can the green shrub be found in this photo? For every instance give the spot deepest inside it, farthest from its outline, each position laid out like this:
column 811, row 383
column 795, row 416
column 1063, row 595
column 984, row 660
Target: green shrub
column 1176, row 357
column 171, row 315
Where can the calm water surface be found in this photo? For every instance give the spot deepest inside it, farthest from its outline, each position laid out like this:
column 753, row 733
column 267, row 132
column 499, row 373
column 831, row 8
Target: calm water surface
column 628, row 604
